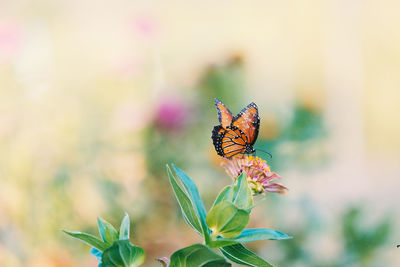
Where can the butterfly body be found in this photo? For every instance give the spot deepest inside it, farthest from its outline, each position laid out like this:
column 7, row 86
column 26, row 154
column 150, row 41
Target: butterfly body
column 235, row 135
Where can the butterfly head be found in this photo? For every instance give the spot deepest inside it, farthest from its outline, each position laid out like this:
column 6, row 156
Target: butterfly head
column 249, row 149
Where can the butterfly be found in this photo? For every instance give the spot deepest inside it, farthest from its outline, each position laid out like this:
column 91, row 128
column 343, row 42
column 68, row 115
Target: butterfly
column 235, row 134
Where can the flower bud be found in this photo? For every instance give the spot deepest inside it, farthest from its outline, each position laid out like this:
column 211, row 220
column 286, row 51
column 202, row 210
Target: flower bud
column 227, row 220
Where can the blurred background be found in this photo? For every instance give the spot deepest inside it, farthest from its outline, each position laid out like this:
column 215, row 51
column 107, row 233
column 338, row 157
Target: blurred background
column 97, row 96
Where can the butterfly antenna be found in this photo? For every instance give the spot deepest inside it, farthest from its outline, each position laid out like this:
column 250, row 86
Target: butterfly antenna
column 269, row 154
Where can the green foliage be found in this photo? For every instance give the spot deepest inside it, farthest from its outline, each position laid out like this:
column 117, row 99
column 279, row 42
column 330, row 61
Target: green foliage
column 88, row 239
column 227, row 220
column 250, row 235
column 240, row 254
column 230, row 212
column 97, row 254
column 197, row 255
column 115, row 250
column 191, row 188
column 123, row 254
column 107, row 231
column 360, row 243
column 224, row 226
column 305, row 134
column 242, row 195
column 305, row 125
column 124, row 228
column 225, row 195
column 191, row 191
column 188, row 210
column 239, row 193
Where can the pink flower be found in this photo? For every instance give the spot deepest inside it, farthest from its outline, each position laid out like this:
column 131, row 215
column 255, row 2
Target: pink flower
column 171, row 115
column 259, row 175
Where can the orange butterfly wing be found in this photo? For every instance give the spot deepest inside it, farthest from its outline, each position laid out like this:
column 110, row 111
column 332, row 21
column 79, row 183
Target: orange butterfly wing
column 235, row 135
column 233, row 142
column 224, row 115
column 248, row 122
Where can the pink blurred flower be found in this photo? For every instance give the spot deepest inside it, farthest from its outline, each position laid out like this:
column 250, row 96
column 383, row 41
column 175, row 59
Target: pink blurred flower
column 171, row 114
column 145, row 26
column 10, row 39
column 259, row 175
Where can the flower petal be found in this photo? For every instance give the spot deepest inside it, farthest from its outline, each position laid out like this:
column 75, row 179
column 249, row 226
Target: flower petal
column 275, row 188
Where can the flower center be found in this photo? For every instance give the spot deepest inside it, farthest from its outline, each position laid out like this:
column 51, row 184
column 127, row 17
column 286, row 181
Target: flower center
column 255, row 187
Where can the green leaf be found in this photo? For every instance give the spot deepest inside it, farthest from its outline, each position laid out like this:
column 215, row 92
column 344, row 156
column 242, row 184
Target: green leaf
column 241, row 255
column 222, row 242
column 187, row 207
column 192, row 190
column 124, row 228
column 227, row 220
column 197, row 255
column 107, row 231
column 225, row 195
column 123, row 254
column 242, row 195
column 193, row 194
column 249, row 235
column 88, row 239
column 96, row 253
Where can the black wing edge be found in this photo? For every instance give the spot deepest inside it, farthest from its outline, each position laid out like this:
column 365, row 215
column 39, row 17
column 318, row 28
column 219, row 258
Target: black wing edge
column 252, row 104
column 256, row 124
column 217, row 139
column 217, row 101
